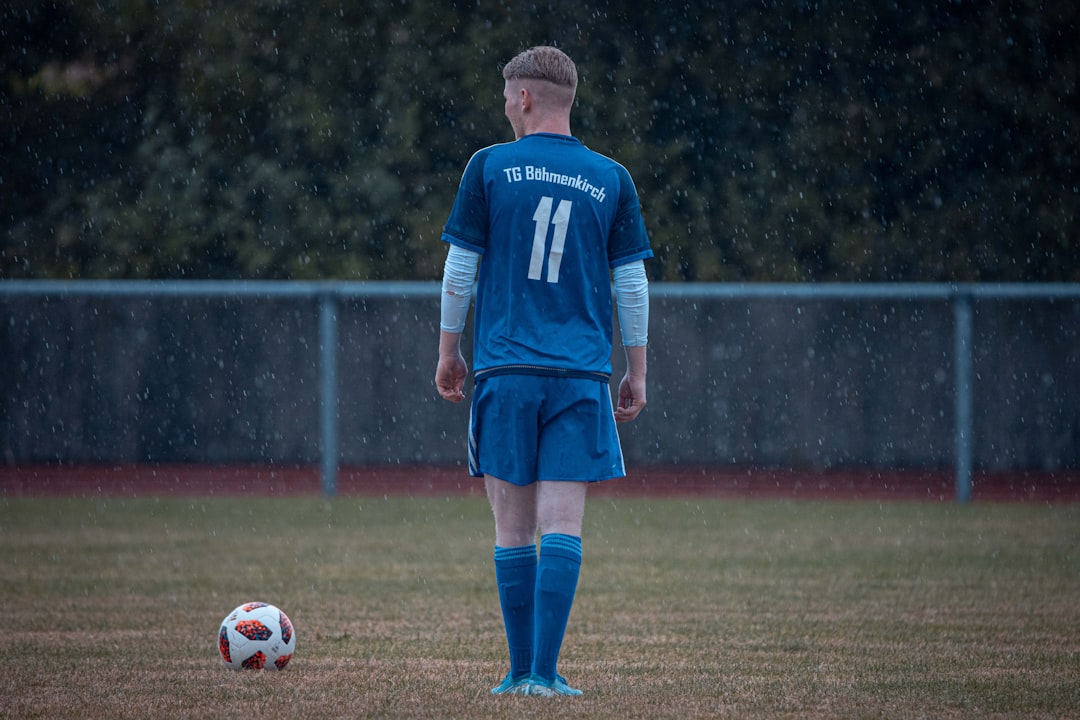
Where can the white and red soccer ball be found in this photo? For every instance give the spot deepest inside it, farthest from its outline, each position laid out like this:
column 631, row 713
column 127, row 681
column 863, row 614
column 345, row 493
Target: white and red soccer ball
column 256, row 635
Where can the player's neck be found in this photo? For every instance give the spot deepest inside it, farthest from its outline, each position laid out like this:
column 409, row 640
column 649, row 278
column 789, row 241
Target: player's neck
column 549, row 124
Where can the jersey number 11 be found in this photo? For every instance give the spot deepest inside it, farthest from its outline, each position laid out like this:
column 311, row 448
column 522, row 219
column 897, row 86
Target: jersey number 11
column 543, row 219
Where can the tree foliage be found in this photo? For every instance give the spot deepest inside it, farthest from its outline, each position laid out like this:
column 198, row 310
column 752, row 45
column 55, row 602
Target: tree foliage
column 770, row 139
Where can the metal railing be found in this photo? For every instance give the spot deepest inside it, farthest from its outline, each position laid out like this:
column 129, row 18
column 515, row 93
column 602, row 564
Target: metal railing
column 329, row 294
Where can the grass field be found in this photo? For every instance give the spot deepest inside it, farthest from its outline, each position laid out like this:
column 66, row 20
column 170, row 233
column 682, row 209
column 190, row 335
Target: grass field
column 686, row 608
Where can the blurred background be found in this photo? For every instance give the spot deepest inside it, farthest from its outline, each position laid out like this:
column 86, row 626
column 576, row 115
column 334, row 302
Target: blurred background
column 776, row 141
column 771, row 140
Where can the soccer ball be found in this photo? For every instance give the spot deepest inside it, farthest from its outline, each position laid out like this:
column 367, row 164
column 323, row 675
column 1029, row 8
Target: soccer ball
column 254, row 636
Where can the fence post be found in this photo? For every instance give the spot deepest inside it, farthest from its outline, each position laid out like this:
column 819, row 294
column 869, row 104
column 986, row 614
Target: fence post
column 962, row 336
column 328, row 399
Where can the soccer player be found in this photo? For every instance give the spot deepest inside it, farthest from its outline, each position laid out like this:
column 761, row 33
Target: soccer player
column 554, row 223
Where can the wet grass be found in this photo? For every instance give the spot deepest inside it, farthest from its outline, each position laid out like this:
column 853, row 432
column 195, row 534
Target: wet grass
column 701, row 608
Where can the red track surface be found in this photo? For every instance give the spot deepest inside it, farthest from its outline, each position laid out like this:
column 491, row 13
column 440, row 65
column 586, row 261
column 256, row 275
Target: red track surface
column 716, row 482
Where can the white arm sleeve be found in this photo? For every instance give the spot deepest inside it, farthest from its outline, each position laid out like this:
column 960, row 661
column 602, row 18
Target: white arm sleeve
column 459, row 273
column 632, row 298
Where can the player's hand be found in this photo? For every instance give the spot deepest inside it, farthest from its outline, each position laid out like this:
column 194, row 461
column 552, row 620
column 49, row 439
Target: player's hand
column 450, row 377
column 631, row 398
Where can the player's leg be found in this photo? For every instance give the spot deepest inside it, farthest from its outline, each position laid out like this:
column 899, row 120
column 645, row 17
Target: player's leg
column 579, row 444
column 514, row 508
column 503, row 445
column 560, row 509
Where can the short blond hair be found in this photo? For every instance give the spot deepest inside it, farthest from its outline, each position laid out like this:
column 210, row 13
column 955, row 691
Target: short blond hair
column 543, row 62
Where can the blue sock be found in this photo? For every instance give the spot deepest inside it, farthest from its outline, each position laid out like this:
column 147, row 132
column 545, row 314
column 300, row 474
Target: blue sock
column 556, row 584
column 515, row 572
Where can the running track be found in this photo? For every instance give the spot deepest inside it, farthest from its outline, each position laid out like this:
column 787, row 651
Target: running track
column 678, row 481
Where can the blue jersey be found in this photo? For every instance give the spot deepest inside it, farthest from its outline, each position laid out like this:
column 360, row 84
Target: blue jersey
column 550, row 219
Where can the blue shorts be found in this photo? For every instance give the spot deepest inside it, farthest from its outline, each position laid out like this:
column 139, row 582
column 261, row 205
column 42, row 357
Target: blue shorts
column 524, row 428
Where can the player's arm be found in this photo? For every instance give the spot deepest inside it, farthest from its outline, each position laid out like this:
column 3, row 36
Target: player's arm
column 632, row 299
column 459, row 272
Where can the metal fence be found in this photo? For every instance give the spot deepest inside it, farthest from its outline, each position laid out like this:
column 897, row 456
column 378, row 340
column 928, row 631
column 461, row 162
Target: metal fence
column 709, row 344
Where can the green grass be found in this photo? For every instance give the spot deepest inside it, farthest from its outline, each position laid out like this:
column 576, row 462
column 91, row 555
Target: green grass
column 703, row 608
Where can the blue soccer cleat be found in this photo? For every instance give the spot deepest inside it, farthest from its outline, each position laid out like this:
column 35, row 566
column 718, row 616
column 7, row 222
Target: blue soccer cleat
column 511, row 686
column 539, row 687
